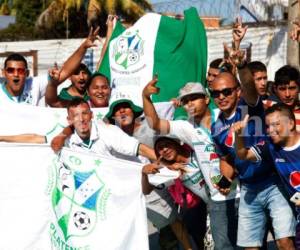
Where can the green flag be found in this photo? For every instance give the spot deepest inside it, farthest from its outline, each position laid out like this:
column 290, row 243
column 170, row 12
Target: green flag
column 175, row 50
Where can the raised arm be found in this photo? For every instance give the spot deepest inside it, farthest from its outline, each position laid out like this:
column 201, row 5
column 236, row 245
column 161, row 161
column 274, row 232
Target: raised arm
column 238, row 33
column 73, row 62
column 247, row 82
column 51, row 96
column 111, row 23
column 160, row 125
column 237, row 59
column 295, row 32
column 57, row 76
column 248, row 86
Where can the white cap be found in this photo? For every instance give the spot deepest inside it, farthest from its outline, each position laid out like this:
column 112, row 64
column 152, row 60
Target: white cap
column 191, row 88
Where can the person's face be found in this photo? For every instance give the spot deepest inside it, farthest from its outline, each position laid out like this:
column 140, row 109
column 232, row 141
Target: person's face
column 167, row 150
column 211, row 75
column 260, row 81
column 225, row 93
column 287, row 93
column 279, row 127
column 123, row 115
column 195, row 105
column 79, row 80
column 99, row 92
column 15, row 73
column 81, row 116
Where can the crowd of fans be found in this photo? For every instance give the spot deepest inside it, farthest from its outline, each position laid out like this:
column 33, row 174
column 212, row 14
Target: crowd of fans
column 237, row 152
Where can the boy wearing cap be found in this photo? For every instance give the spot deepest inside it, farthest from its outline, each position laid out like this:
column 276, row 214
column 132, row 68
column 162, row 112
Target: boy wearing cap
column 196, row 133
column 161, row 209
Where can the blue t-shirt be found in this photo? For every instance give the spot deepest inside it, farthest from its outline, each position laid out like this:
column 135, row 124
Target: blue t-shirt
column 287, row 163
column 252, row 174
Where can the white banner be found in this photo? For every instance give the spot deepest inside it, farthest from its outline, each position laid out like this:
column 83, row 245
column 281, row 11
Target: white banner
column 78, row 201
column 22, row 118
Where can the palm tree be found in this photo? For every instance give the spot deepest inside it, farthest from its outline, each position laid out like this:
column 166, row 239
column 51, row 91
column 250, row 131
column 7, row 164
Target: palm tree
column 97, row 11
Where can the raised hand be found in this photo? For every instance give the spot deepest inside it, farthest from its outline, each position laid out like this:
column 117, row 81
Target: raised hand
column 235, row 57
column 237, row 127
column 295, row 33
column 151, row 88
column 92, row 37
column 238, row 32
column 111, row 21
column 54, row 74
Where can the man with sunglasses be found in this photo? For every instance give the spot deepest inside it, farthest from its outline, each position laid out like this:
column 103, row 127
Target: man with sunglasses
column 196, row 133
column 17, row 87
column 260, row 190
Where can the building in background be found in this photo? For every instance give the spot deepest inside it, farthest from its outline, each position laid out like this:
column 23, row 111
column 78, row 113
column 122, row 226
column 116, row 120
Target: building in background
column 227, row 10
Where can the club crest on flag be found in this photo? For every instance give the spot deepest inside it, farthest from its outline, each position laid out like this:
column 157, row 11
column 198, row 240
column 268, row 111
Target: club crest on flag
column 74, row 200
column 295, row 180
column 128, row 49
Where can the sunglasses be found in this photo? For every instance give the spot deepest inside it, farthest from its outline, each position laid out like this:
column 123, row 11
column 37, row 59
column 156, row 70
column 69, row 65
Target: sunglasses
column 20, row 71
column 225, row 92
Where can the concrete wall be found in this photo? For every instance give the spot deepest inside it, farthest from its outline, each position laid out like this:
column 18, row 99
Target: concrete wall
column 269, row 46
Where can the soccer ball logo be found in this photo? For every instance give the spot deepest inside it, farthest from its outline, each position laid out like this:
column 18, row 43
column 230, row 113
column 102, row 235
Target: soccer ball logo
column 81, row 220
column 132, row 57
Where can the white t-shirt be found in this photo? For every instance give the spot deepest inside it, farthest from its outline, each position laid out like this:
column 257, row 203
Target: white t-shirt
column 105, row 139
column 199, row 138
column 33, row 92
column 194, row 180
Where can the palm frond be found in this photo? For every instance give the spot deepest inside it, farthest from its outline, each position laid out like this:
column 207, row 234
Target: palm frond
column 110, row 6
column 97, row 10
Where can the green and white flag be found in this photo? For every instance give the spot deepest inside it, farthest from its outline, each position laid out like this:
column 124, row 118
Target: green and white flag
column 78, row 201
column 74, row 201
column 175, row 50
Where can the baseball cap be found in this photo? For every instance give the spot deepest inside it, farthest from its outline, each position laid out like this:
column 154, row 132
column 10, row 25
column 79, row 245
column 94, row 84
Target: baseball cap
column 191, row 88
